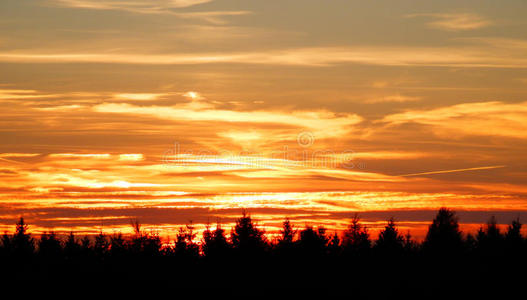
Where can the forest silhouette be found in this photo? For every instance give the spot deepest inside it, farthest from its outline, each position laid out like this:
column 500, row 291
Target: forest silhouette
column 310, row 257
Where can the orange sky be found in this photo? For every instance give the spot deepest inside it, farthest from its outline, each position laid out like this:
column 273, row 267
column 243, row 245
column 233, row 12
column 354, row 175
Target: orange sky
column 172, row 111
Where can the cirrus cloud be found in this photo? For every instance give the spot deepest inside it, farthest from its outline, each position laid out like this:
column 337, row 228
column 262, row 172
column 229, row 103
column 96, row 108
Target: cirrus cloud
column 493, row 118
column 455, row 21
column 322, row 123
column 139, row 6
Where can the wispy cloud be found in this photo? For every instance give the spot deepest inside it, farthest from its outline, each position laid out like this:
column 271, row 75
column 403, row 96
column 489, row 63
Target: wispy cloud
column 139, row 96
column 77, row 155
column 455, row 21
column 139, row 6
column 322, row 123
column 467, row 56
column 482, row 118
column 14, row 155
column 168, row 7
column 397, row 98
column 8, row 94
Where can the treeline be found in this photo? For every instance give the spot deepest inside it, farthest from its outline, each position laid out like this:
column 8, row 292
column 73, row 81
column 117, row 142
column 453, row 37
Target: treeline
column 295, row 254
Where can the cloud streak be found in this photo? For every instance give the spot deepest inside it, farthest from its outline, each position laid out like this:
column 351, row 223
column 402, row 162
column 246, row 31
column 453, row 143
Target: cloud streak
column 138, row 6
column 455, row 21
column 322, row 123
column 488, row 56
column 166, row 7
column 482, row 118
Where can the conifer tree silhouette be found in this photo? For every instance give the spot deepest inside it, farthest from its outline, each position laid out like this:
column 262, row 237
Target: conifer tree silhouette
column 490, row 238
column 287, row 234
column 246, row 238
column 117, row 245
column 389, row 240
column 286, row 241
column 72, row 248
column 49, row 246
column 101, row 244
column 356, row 239
column 185, row 247
column 410, row 246
column 313, row 256
column 513, row 237
column 86, row 246
column 334, row 247
column 215, row 243
column 443, row 236
column 22, row 243
column 6, row 248
column 313, row 242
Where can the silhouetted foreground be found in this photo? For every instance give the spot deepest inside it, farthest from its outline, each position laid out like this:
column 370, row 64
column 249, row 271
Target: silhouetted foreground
column 308, row 258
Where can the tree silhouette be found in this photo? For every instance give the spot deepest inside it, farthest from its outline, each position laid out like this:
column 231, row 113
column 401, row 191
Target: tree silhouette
column 85, row 246
column 356, row 239
column 286, row 242
column 246, row 238
column 72, row 248
column 101, row 244
column 215, row 242
column 151, row 244
column 513, row 237
column 144, row 243
column 490, row 239
column 287, row 234
column 443, row 236
column 389, row 240
column 185, row 247
column 334, row 247
column 314, row 256
column 313, row 242
column 7, row 246
column 49, row 246
column 22, row 243
column 410, row 246
column 117, row 245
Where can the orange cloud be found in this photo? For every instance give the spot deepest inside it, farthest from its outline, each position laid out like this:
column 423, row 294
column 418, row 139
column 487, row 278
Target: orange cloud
column 151, row 6
column 138, row 97
column 482, row 118
column 322, row 123
column 489, row 55
column 456, row 21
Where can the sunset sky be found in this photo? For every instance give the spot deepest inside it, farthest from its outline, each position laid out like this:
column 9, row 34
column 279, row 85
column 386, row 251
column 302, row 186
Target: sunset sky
column 172, row 111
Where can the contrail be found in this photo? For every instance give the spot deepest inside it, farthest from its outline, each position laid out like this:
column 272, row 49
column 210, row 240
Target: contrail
column 12, row 161
column 453, row 171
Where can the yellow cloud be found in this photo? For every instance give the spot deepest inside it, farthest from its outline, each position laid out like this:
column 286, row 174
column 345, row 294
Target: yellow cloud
column 481, row 55
column 322, row 123
column 483, row 118
column 166, row 7
column 131, row 157
column 60, row 108
column 397, row 98
column 138, row 6
column 456, row 21
column 22, row 94
column 77, row 155
column 3, row 155
column 138, row 97
column 193, row 95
